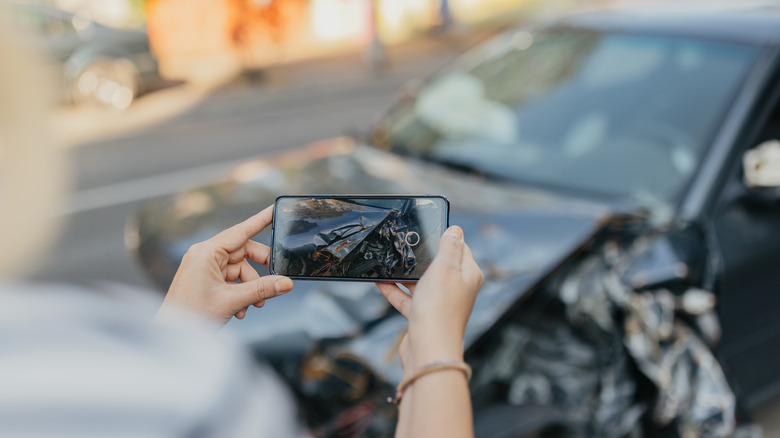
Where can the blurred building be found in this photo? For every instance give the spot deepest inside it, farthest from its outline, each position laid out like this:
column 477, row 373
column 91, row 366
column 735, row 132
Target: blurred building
column 191, row 37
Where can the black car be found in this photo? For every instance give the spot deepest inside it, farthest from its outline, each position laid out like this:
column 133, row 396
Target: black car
column 97, row 64
column 596, row 166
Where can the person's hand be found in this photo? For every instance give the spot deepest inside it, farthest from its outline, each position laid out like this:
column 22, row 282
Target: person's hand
column 206, row 280
column 440, row 303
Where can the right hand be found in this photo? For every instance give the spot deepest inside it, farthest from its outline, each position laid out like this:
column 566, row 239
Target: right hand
column 440, row 303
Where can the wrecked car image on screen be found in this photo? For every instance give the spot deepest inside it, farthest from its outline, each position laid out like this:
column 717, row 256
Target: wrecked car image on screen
column 368, row 238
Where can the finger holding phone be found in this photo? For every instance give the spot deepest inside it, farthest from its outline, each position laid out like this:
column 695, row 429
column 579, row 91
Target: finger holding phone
column 207, row 280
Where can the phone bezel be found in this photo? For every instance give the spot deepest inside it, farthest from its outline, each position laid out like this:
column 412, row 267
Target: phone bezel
column 358, row 196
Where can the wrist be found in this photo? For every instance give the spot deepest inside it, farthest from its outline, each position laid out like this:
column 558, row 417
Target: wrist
column 426, row 350
column 436, row 333
column 429, row 368
column 433, row 357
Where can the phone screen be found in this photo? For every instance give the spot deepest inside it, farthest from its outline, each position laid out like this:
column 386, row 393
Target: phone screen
column 357, row 238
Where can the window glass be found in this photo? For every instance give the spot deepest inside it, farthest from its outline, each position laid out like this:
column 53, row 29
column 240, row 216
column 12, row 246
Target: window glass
column 616, row 114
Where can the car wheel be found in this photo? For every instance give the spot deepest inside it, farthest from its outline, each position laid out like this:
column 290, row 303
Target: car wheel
column 110, row 83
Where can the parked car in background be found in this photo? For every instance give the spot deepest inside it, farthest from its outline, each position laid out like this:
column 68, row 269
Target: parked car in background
column 97, row 64
column 616, row 178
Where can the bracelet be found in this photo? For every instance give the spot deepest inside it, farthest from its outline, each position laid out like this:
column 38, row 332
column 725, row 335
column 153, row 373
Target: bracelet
column 439, row 365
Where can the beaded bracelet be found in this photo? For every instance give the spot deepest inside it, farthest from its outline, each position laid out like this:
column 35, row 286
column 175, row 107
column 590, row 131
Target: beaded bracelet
column 432, row 367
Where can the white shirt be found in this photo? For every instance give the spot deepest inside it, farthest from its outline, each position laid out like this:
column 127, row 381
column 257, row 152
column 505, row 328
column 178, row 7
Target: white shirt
column 80, row 363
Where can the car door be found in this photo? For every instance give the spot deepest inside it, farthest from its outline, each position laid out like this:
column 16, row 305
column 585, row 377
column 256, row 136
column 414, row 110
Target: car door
column 746, row 233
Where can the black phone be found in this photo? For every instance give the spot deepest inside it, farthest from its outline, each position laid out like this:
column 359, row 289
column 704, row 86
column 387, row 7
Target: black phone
column 357, row 237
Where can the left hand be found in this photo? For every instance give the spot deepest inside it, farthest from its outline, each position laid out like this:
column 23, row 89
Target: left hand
column 206, row 280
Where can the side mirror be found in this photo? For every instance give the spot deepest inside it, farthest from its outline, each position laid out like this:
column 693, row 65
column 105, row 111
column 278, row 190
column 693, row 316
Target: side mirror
column 761, row 167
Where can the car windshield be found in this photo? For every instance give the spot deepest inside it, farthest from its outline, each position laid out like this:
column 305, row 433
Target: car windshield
column 613, row 114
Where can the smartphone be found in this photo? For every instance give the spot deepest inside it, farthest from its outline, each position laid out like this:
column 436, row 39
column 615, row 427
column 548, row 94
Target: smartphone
column 357, row 237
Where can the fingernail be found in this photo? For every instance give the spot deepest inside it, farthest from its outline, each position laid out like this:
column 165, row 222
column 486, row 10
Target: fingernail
column 454, row 231
column 283, row 285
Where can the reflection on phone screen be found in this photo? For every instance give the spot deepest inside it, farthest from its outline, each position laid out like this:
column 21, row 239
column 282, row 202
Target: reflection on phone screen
column 356, row 238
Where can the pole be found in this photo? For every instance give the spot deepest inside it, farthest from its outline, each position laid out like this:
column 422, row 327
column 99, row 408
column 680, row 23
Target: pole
column 375, row 52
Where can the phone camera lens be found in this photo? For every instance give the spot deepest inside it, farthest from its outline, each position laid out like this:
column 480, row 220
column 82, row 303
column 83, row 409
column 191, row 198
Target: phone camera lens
column 412, row 238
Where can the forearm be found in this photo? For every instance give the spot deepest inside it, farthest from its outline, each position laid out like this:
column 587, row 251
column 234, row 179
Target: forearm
column 441, row 406
column 405, row 412
column 439, row 402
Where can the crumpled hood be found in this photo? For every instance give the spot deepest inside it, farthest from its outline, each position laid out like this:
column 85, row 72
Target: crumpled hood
column 517, row 235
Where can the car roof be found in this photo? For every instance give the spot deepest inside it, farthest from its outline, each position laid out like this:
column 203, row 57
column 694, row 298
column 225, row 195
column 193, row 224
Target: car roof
column 750, row 22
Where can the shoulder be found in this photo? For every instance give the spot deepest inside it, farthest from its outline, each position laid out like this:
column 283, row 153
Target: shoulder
column 94, row 361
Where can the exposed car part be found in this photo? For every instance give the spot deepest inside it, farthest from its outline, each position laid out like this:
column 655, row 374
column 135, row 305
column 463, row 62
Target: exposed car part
column 583, row 355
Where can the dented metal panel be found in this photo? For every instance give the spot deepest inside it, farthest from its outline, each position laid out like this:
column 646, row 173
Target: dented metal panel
column 583, row 356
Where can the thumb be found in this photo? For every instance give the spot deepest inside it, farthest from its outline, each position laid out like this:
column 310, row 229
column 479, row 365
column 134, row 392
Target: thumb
column 450, row 250
column 245, row 294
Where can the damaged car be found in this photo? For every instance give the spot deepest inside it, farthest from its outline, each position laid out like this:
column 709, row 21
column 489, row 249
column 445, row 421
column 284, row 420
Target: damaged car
column 617, row 176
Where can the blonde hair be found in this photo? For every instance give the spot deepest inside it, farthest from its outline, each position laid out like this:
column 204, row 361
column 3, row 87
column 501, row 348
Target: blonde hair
column 32, row 176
